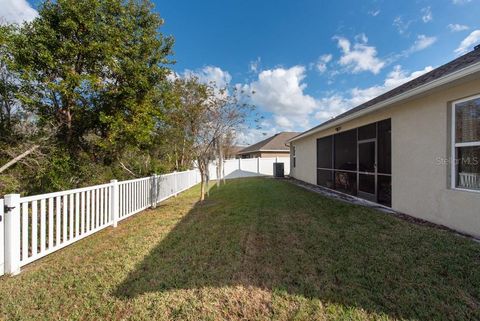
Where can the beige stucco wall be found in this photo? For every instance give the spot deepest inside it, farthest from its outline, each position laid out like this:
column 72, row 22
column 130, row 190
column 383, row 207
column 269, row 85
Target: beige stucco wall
column 275, row 154
column 420, row 140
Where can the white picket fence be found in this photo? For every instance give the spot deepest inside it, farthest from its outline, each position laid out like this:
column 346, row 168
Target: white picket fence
column 38, row 225
column 34, row 226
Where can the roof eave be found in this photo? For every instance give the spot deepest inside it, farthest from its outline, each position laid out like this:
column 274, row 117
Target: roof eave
column 456, row 75
column 263, row 150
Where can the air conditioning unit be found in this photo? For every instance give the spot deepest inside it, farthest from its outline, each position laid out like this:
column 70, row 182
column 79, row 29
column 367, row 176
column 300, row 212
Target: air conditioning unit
column 278, row 170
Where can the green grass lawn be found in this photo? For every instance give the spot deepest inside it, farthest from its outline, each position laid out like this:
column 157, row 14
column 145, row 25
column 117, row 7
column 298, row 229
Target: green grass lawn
column 257, row 249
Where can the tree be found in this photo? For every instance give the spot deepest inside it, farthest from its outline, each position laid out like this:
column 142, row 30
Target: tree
column 91, row 67
column 77, row 94
column 187, row 106
column 224, row 111
column 19, row 137
column 201, row 121
column 182, row 108
column 8, row 84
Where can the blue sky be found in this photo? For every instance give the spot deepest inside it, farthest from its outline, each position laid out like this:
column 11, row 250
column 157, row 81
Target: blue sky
column 311, row 60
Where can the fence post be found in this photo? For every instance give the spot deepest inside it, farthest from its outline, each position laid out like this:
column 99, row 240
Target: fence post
column 153, row 190
column 258, row 165
column 12, row 234
column 239, row 164
column 115, row 202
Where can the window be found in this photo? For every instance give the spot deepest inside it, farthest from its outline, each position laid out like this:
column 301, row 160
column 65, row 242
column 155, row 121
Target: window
column 466, row 144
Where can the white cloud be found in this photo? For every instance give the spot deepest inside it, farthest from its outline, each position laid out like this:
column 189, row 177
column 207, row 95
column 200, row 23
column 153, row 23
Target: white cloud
column 401, row 25
column 336, row 103
column 280, row 91
column 332, row 106
column 322, row 62
column 248, row 136
column 469, row 42
column 16, row 11
column 362, row 38
column 374, row 13
column 210, row 74
column 283, row 121
column 254, row 65
column 395, row 78
column 460, row 1
column 427, row 15
column 361, row 57
column 398, row 76
column 455, row 27
column 422, row 43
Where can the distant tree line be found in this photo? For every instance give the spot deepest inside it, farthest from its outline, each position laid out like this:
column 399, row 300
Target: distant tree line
column 85, row 97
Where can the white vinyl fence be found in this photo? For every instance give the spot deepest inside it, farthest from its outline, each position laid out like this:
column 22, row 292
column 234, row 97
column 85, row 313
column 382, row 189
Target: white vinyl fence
column 250, row 167
column 34, row 226
column 38, row 225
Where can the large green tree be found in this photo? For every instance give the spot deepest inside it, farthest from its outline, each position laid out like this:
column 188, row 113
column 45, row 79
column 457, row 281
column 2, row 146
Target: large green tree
column 90, row 69
column 79, row 89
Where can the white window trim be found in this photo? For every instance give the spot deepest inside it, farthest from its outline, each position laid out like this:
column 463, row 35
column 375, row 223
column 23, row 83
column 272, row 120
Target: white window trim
column 453, row 160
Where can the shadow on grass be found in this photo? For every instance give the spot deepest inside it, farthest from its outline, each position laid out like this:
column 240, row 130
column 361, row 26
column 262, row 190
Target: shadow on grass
column 276, row 236
column 242, row 174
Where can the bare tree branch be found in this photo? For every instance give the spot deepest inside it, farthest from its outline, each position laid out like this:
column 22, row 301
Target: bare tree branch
column 126, row 169
column 18, row 158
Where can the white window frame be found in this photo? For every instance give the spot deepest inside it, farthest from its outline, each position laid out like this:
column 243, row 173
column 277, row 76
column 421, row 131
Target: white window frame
column 453, row 162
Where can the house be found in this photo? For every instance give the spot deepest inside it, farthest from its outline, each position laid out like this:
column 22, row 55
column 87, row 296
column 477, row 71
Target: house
column 415, row 148
column 274, row 146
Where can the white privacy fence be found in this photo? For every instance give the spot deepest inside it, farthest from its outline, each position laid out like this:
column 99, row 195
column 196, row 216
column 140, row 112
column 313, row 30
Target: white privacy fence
column 34, row 226
column 250, row 167
column 38, row 225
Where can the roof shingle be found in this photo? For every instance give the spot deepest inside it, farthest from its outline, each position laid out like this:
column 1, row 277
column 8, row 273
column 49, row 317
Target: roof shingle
column 275, row 142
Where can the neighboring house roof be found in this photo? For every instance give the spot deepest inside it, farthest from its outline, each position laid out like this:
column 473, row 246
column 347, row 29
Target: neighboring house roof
column 470, row 63
column 235, row 149
column 277, row 142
